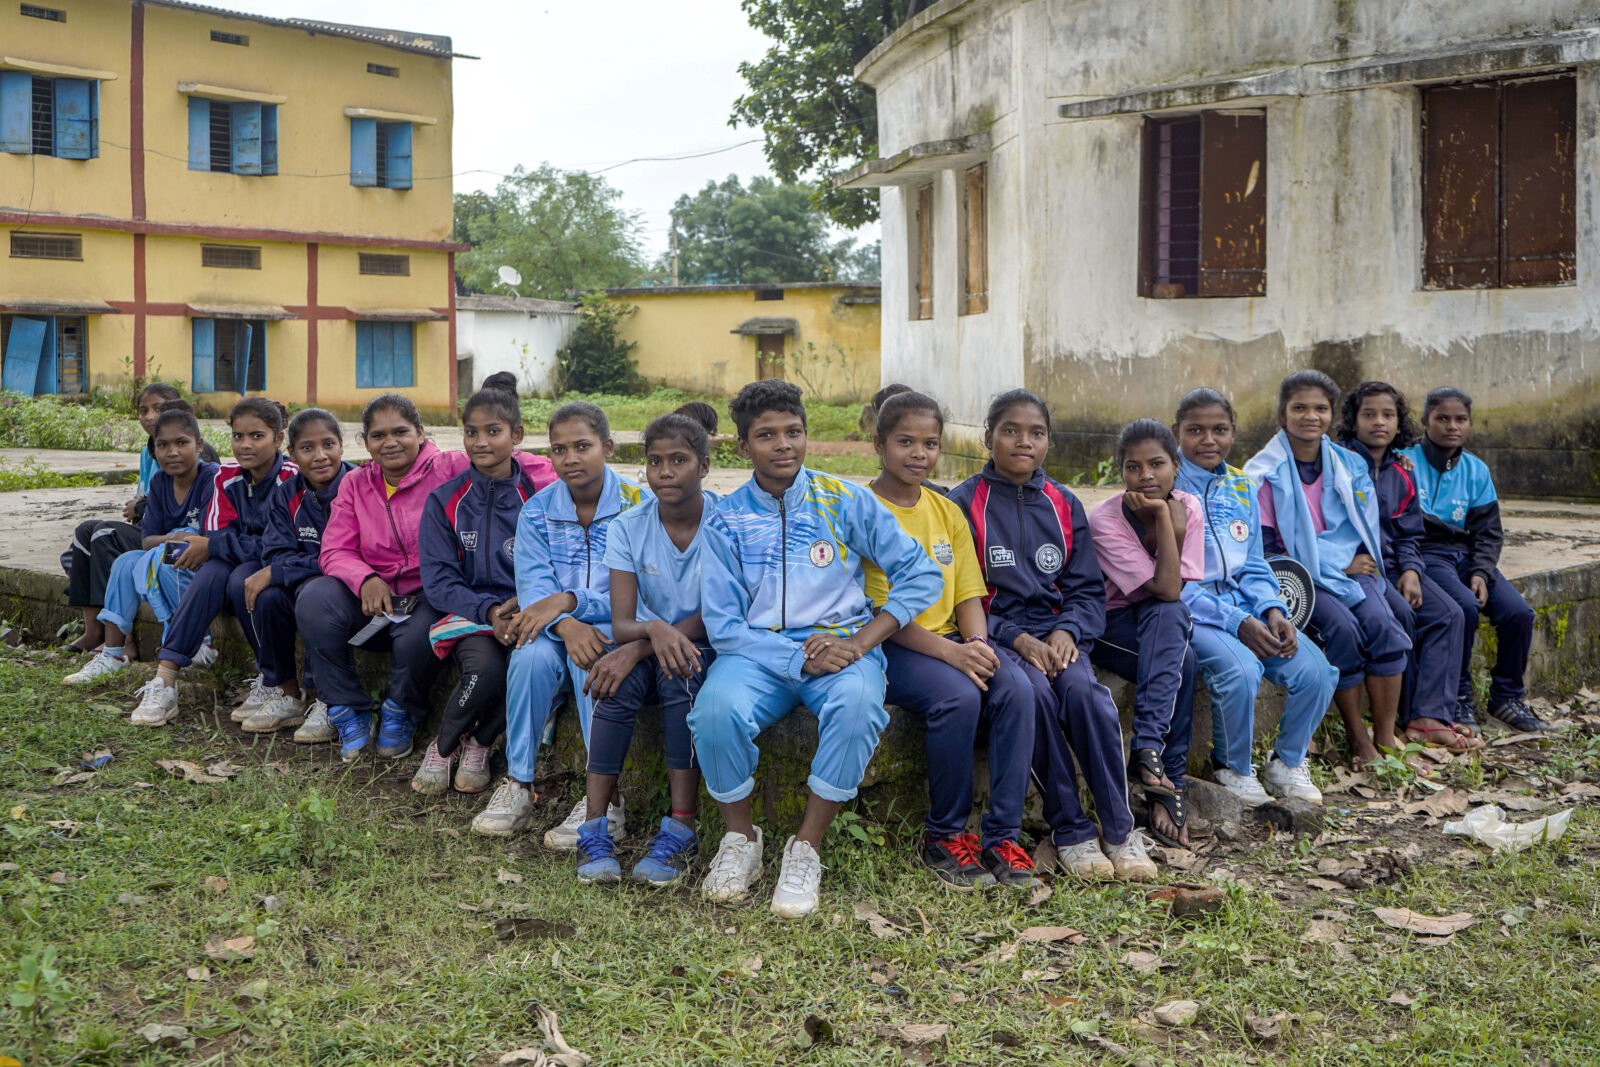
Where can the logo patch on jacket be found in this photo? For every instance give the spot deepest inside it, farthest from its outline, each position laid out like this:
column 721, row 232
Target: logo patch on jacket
column 1047, row 559
column 309, row 533
column 1000, row 556
column 1459, row 513
column 510, row 548
column 1239, row 530
column 192, row 518
column 943, row 554
column 821, row 553
column 469, row 540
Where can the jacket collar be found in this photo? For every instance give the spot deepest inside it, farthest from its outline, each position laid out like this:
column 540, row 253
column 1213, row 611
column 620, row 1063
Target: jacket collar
column 562, row 508
column 1390, row 455
column 1187, row 468
column 518, row 477
column 1000, row 481
column 331, row 490
column 1438, row 458
column 793, row 497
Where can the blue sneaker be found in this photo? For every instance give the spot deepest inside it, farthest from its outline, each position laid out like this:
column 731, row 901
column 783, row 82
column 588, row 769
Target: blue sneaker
column 671, row 851
column 595, row 860
column 394, row 731
column 355, row 729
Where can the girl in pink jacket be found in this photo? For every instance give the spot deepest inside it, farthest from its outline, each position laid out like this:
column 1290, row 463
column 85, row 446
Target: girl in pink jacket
column 372, row 577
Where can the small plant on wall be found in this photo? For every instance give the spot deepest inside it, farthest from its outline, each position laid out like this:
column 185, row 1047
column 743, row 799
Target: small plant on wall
column 835, row 375
column 596, row 360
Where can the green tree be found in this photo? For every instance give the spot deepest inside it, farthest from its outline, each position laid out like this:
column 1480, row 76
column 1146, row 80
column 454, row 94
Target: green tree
column 562, row 230
column 816, row 118
column 727, row 234
column 596, row 359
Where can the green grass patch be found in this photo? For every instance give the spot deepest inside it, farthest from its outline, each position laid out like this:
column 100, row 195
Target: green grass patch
column 30, row 474
column 98, row 425
column 827, row 422
column 373, row 912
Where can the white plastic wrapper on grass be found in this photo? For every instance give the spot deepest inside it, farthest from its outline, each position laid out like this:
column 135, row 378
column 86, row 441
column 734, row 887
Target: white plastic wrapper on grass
column 1488, row 825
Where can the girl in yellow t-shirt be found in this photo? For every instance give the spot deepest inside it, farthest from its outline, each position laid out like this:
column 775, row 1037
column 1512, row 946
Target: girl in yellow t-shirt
column 942, row 666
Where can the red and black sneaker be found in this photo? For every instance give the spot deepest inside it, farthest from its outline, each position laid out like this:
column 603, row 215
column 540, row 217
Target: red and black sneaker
column 954, row 860
column 1010, row 864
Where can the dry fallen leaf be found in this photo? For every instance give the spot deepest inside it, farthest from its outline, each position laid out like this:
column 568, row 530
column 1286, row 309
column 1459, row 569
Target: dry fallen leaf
column 1333, row 867
column 881, row 927
column 1449, row 802
column 1400, row 997
column 201, row 973
column 1268, row 1028
column 166, row 1035
column 505, row 877
column 1426, row 925
column 1145, row 962
column 1049, row 974
column 74, row 779
column 189, row 770
column 1046, row 934
column 922, row 1033
column 1581, row 789
column 1177, row 1013
column 560, row 1054
column 216, row 883
column 224, row 769
column 1042, row 892
column 1513, row 739
column 1321, row 931
column 1185, row 901
column 1326, row 883
column 235, row 948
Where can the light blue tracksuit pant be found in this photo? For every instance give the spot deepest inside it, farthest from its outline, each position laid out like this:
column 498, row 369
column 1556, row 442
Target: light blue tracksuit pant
column 1233, row 675
column 144, row 575
column 741, row 698
column 538, row 676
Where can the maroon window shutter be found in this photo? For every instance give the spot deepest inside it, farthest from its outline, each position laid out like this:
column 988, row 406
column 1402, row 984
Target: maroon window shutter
column 1539, row 233
column 1460, row 186
column 1233, row 204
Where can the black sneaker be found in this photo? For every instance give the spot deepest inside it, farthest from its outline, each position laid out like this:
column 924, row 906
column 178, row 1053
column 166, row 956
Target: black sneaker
column 1467, row 716
column 1519, row 717
column 1010, row 864
column 954, row 860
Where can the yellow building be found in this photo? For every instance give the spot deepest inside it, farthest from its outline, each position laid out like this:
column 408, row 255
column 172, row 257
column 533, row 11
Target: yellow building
column 823, row 336
column 233, row 201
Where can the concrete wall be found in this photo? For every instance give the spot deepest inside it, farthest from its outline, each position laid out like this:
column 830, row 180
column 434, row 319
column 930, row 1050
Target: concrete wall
column 522, row 342
column 685, row 337
column 1344, row 234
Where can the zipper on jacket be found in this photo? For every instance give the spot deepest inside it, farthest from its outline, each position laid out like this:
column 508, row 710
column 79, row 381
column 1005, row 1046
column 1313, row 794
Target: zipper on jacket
column 783, row 571
column 1221, row 555
column 484, row 559
column 404, row 558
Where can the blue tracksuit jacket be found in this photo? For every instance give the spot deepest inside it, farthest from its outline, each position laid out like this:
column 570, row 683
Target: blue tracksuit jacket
column 238, row 511
column 467, row 542
column 1399, row 510
column 1238, row 583
column 1460, row 507
column 296, row 517
column 778, row 570
column 555, row 553
column 1037, row 556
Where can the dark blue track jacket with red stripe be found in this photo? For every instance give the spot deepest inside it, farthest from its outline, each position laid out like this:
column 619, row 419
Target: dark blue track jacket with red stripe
column 296, row 517
column 1399, row 510
column 1038, row 561
column 468, row 543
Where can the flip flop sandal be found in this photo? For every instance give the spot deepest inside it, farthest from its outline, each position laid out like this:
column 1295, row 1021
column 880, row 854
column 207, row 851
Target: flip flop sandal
column 1142, row 762
column 1425, row 735
column 1471, row 740
column 1173, row 805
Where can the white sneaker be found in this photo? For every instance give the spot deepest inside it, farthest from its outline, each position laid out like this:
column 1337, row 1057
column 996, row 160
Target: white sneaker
column 433, row 776
column 103, row 666
column 798, row 881
column 1283, row 780
column 1130, row 859
column 316, row 730
column 1247, row 787
column 207, row 654
column 563, row 837
column 507, row 812
column 1085, row 860
column 253, row 700
column 278, row 712
column 736, row 865
column 158, row 704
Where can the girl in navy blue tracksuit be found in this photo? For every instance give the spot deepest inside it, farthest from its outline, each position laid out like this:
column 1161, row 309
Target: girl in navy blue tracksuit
column 230, row 550
column 297, row 513
column 1461, row 550
column 1047, row 604
column 466, row 546
column 1376, row 424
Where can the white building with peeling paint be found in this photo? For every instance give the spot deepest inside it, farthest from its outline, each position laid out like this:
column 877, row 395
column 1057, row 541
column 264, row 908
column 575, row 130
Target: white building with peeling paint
column 1110, row 203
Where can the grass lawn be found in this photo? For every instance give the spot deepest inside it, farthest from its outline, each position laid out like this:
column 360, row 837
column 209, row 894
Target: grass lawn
column 826, row 422
column 373, row 916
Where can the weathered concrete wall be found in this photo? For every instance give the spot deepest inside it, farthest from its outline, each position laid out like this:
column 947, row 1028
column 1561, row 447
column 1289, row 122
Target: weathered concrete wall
column 1344, row 229
column 523, row 343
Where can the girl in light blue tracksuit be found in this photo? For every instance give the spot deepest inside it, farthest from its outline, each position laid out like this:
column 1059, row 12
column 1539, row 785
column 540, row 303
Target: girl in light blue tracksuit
column 563, row 627
column 1241, row 628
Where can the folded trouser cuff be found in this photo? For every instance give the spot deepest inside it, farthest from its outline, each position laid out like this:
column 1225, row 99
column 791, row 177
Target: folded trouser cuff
column 830, row 792
column 734, row 795
column 107, row 615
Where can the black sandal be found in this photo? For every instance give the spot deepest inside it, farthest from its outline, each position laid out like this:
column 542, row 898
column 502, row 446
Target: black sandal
column 1176, row 811
column 1143, row 761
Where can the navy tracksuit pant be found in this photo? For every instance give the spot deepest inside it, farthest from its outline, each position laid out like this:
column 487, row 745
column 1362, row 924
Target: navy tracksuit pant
column 1148, row 644
column 328, row 615
column 96, row 544
column 1078, row 724
column 1506, row 611
column 1359, row 639
column 611, row 724
column 1433, row 669
column 951, row 707
column 477, row 705
column 270, row 629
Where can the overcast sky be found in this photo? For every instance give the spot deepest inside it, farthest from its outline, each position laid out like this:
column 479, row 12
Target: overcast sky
column 583, row 84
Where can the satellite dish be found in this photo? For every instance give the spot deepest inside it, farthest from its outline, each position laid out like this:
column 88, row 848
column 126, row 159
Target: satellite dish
column 511, row 276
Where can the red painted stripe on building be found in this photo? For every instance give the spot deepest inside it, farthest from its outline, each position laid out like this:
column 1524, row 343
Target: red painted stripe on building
column 136, row 111
column 450, row 283
column 311, row 323
column 232, row 233
column 138, row 307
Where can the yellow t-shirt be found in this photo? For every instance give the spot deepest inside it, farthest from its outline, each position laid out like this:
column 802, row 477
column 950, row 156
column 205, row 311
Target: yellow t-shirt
column 942, row 531
column 389, row 490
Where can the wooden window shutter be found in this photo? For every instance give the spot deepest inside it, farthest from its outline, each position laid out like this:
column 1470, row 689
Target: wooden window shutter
column 1539, row 234
column 975, row 239
column 1233, row 204
column 1461, row 186
column 924, row 290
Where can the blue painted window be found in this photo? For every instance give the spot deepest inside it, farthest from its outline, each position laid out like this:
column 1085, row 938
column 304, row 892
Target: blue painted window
column 233, row 138
column 380, row 153
column 384, row 355
column 43, row 353
column 49, row 116
column 228, row 352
